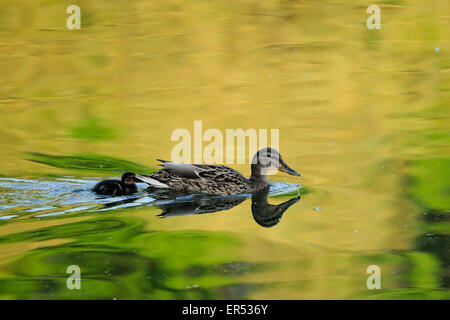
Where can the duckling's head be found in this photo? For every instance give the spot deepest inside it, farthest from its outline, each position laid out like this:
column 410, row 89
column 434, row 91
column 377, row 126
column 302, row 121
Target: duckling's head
column 269, row 160
column 129, row 178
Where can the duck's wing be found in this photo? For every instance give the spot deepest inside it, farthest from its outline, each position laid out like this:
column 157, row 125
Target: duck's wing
column 217, row 173
column 173, row 172
column 184, row 170
column 197, row 178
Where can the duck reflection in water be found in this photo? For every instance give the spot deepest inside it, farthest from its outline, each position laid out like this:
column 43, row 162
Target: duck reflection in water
column 268, row 215
column 265, row 214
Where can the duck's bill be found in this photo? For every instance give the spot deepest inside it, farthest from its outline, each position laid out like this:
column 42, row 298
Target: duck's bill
column 285, row 168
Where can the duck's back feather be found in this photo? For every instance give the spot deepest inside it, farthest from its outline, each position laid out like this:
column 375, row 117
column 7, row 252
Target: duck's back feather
column 215, row 179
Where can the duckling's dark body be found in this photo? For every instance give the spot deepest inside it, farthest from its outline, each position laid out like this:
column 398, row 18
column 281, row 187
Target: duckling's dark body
column 114, row 187
column 217, row 179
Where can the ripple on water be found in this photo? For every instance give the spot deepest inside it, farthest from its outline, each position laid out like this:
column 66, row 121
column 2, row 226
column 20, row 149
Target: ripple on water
column 38, row 198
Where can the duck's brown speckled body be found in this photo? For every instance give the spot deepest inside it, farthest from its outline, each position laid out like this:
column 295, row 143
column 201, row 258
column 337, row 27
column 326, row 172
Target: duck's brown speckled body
column 217, row 179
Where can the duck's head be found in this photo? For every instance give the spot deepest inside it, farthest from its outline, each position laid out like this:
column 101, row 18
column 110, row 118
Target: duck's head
column 129, row 178
column 269, row 160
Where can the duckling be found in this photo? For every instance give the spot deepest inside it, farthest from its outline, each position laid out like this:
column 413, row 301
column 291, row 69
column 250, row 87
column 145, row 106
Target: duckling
column 218, row 179
column 125, row 186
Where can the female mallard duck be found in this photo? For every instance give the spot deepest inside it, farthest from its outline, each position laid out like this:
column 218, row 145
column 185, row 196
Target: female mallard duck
column 217, row 179
column 126, row 185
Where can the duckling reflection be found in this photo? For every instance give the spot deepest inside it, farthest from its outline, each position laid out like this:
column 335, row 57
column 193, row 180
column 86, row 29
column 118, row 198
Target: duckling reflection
column 265, row 214
column 268, row 215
